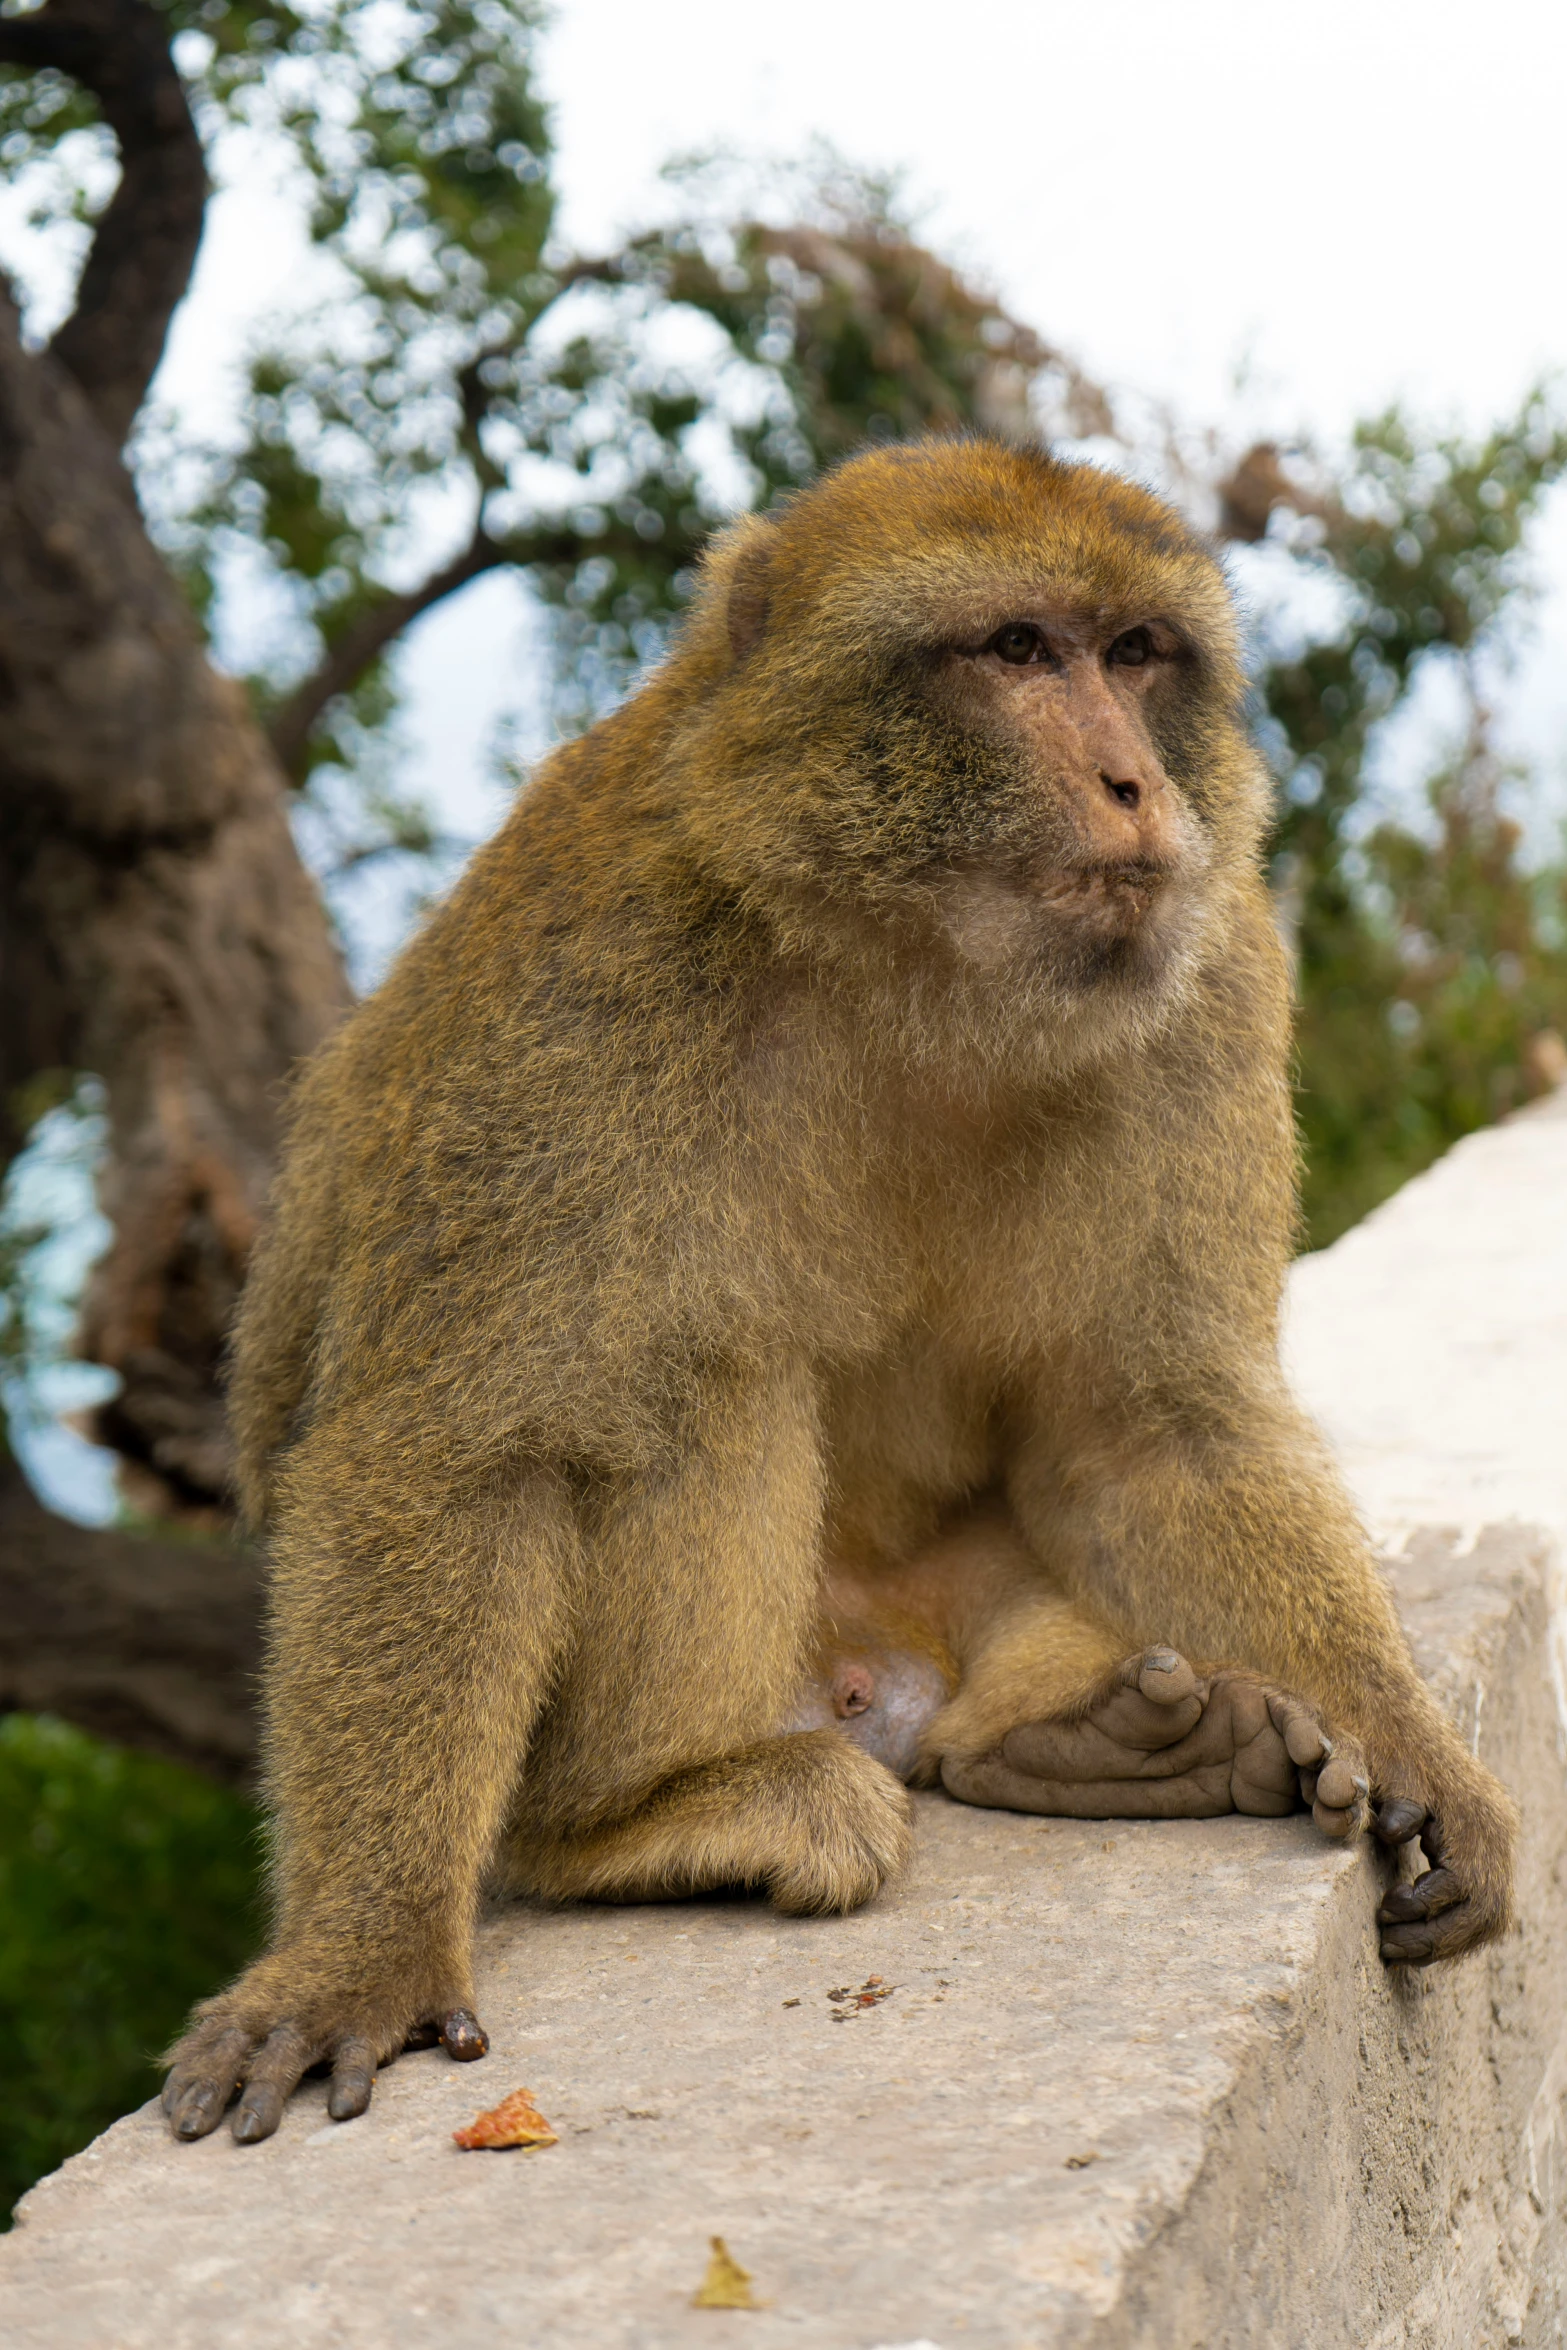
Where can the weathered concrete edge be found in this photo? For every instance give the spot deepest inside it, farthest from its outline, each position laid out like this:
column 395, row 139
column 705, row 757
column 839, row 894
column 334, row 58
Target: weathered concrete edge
column 1386, row 2172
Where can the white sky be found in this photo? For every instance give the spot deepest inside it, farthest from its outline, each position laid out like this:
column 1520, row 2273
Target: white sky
column 1277, row 218
column 1366, row 196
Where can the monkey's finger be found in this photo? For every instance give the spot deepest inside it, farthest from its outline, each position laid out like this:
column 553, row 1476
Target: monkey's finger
column 196, row 2094
column 1305, row 1741
column 1162, row 1675
column 1263, row 1779
column 1432, row 1841
column 463, row 2036
column 423, row 2035
column 1338, row 1783
column 1399, row 1819
column 1427, row 1897
column 353, row 2079
column 275, row 2074
column 1339, row 1805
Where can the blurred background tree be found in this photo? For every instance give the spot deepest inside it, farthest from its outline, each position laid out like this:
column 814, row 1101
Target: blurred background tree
column 1431, row 959
column 453, row 394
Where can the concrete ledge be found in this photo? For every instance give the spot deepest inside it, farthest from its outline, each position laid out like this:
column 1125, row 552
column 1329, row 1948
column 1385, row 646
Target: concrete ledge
column 1137, row 2085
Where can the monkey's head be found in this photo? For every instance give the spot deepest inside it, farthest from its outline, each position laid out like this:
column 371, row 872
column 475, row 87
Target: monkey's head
column 991, row 699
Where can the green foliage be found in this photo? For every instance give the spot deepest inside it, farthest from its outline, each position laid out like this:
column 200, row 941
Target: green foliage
column 128, row 1888
column 1430, row 963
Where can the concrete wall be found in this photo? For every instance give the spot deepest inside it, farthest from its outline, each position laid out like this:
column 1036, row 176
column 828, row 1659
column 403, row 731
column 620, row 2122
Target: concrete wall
column 1137, row 2085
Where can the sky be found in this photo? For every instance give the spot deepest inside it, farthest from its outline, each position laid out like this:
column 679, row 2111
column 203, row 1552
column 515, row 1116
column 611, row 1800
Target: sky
column 1275, row 217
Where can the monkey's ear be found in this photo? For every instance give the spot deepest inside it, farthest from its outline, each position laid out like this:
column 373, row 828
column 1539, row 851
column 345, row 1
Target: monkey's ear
column 750, row 588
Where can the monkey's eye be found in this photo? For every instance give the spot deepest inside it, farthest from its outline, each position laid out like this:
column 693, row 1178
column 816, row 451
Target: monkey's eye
column 1018, row 642
column 1131, row 650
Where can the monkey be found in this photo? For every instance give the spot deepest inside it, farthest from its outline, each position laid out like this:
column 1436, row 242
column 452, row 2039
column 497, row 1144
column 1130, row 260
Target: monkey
column 796, row 1242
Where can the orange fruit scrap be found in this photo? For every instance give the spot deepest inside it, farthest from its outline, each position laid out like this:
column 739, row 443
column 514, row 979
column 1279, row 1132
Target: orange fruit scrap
column 516, row 2121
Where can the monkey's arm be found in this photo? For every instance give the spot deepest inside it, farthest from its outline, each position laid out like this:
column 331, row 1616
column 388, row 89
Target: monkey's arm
column 414, row 1627
column 1209, row 1516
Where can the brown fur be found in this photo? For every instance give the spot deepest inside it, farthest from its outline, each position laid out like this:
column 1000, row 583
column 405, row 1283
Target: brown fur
column 803, row 1117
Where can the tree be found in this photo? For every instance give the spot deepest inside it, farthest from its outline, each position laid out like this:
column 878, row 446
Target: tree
column 458, row 396
column 1432, row 966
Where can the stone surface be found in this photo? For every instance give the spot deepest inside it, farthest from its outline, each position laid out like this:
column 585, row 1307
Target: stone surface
column 1135, row 2084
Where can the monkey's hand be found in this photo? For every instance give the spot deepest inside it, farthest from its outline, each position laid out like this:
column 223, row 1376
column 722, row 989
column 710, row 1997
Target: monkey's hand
column 281, row 2019
column 1159, row 1741
column 1467, row 1826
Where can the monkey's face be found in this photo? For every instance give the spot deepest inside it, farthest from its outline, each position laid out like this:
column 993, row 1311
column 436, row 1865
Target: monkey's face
column 990, row 701
column 1069, row 843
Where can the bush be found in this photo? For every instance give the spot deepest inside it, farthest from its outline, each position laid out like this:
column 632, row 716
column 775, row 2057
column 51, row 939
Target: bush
column 128, row 1887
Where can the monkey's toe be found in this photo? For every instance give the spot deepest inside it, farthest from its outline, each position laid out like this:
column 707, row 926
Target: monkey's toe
column 1158, row 1742
column 206, row 2070
column 240, row 2051
column 200, row 2089
column 463, row 2036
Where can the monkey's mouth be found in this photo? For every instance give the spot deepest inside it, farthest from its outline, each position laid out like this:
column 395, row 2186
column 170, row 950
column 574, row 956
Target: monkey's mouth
column 1111, row 900
column 1090, row 923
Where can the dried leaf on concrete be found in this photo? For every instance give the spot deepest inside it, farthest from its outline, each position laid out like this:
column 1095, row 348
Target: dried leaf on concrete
column 726, row 2285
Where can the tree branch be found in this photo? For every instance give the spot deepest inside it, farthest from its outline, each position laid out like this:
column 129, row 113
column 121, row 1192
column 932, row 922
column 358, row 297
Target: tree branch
column 359, row 644
column 154, row 1643
column 144, row 249
column 1257, row 485
column 374, row 629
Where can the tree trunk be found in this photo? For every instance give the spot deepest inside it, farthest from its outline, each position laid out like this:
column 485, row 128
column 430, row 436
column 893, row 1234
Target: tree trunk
column 156, row 928
column 156, row 1643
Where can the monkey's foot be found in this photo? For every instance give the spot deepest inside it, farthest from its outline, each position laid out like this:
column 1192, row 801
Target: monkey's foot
column 231, row 2050
column 1158, row 1742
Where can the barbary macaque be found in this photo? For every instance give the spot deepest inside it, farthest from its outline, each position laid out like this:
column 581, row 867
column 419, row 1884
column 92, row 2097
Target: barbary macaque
column 777, row 1294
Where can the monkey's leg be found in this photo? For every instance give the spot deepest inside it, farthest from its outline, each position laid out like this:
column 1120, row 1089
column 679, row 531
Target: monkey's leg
column 809, row 1818
column 414, row 1629
column 659, row 1768
column 1212, row 1520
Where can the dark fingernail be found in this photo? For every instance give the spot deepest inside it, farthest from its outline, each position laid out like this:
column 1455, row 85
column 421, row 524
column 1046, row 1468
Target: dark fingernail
column 195, row 2110
column 349, row 2096
column 1399, row 1820
column 260, row 2111
column 464, row 2036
